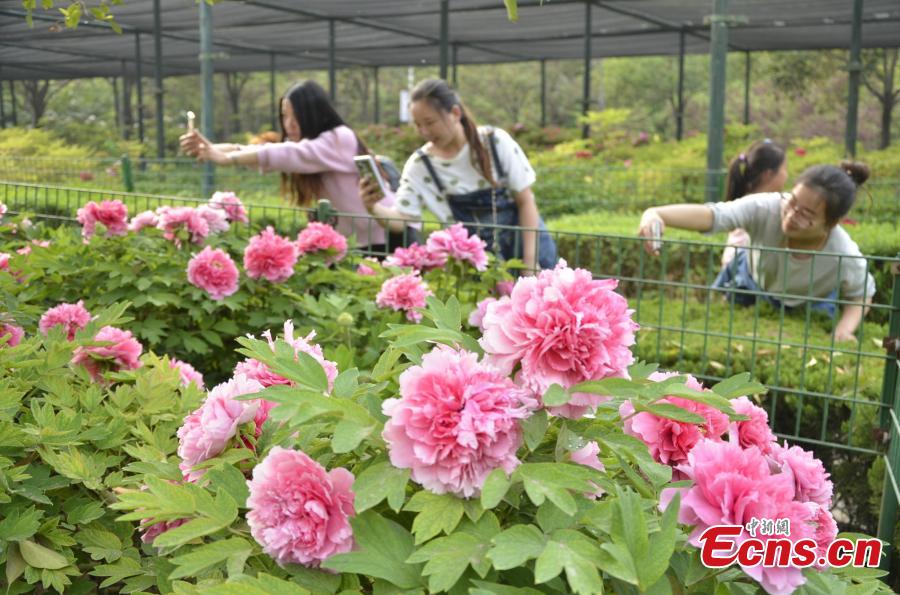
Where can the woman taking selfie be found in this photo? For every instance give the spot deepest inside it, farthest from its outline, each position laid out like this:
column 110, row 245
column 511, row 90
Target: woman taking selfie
column 478, row 176
column 315, row 158
column 807, row 218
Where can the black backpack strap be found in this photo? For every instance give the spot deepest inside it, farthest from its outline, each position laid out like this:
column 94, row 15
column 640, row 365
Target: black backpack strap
column 431, row 170
column 495, row 155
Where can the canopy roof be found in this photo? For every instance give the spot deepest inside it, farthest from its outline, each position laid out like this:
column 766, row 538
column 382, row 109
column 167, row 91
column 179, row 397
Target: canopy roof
column 251, row 35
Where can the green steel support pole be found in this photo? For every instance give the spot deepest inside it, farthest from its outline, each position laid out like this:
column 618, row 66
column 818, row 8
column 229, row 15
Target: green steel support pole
column 126, row 103
column 890, row 397
column 377, row 98
column 127, row 173
column 138, row 76
column 12, row 96
column 715, row 140
column 855, row 68
column 158, row 72
column 543, row 93
column 444, row 45
column 273, row 106
column 746, row 87
column 455, row 55
column 586, row 91
column 2, row 109
column 206, row 81
column 332, row 77
column 679, row 117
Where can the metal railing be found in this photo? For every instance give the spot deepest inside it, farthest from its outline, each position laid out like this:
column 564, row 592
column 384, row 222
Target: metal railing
column 560, row 189
column 840, row 397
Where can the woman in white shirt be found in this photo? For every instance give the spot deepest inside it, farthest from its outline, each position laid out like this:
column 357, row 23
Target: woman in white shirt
column 478, row 176
column 762, row 167
column 807, row 218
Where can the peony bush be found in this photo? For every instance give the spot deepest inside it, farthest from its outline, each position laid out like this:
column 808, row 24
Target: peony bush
column 422, row 424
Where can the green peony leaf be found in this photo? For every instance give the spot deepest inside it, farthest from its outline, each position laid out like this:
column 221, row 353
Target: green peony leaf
column 39, row 556
column 379, row 481
column 437, row 513
column 383, row 547
column 208, row 555
column 447, row 558
column 516, row 545
column 495, row 487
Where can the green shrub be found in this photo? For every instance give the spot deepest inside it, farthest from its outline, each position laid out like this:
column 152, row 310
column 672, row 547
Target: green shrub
column 67, row 446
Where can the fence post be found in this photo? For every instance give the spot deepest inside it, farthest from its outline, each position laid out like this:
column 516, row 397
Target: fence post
column 890, row 398
column 127, row 174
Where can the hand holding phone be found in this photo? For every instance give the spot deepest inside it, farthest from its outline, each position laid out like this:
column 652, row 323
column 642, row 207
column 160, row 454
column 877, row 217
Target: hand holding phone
column 656, row 233
column 366, row 166
column 191, row 117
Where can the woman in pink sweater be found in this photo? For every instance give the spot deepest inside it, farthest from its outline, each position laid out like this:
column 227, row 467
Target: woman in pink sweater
column 315, row 158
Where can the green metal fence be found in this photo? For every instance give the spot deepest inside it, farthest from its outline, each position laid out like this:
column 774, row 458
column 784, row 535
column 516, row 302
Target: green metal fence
column 840, row 398
column 561, row 189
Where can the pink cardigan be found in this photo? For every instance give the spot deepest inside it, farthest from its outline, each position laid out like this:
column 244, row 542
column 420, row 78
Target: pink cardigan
column 331, row 154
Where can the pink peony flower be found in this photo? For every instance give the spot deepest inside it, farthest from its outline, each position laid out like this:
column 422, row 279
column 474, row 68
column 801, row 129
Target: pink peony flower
column 562, row 327
column 753, row 432
column 178, row 223
column 298, row 512
column 271, row 256
column 112, row 214
column 142, row 220
column 3, row 210
column 216, row 219
column 455, row 242
column 10, row 334
column 733, row 485
column 503, row 288
column 207, row 431
column 187, row 372
column 257, row 370
column 476, row 316
column 669, row 440
column 4, row 261
column 417, row 257
column 404, row 292
column 214, row 272
column 587, row 456
column 122, row 353
column 810, row 480
column 72, row 317
column 231, row 204
column 151, row 532
column 365, row 270
column 26, row 250
column 826, row 532
column 321, row 237
column 456, row 421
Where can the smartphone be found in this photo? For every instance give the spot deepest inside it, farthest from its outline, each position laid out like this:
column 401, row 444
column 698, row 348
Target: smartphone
column 366, row 166
column 656, row 232
column 191, row 117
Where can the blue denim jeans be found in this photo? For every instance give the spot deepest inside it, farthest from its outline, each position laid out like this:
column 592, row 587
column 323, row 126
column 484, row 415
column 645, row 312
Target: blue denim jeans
column 736, row 275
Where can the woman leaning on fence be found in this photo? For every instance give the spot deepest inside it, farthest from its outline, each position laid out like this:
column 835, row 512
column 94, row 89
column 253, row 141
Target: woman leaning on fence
column 315, row 158
column 478, row 176
column 807, row 219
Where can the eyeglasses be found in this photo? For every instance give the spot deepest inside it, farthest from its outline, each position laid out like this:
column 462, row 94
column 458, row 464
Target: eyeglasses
column 804, row 216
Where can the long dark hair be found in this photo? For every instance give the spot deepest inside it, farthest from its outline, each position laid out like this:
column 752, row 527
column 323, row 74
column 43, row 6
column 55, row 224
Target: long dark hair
column 746, row 170
column 315, row 115
column 836, row 185
column 442, row 97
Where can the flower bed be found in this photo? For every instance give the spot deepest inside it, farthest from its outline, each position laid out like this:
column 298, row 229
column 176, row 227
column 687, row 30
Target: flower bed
column 355, row 449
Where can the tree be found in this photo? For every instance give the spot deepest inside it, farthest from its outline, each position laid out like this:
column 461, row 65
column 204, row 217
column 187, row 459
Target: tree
column 234, row 86
column 880, row 76
column 37, row 97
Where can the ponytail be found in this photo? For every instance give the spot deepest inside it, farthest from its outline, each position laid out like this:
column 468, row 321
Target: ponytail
column 745, row 171
column 442, row 97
